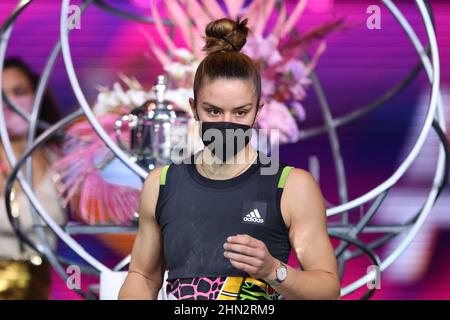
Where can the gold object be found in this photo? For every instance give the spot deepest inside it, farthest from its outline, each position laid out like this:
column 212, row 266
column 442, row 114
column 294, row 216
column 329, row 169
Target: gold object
column 21, row 280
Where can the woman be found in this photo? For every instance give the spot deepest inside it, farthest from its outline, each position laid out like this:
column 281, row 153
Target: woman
column 25, row 274
column 222, row 228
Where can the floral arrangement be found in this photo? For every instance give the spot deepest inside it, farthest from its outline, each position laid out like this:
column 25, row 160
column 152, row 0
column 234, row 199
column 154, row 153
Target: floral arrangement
column 92, row 197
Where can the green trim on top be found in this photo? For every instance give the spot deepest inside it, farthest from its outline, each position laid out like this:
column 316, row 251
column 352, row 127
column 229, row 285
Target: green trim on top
column 162, row 177
column 283, row 176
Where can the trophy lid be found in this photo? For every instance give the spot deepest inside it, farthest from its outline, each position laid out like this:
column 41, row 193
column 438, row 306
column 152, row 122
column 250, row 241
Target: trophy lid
column 160, row 90
column 157, row 105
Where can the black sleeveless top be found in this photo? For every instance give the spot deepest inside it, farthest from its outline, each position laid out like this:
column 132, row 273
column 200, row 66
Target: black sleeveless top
column 197, row 214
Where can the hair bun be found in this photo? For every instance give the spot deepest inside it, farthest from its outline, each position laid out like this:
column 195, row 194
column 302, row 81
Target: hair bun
column 225, row 35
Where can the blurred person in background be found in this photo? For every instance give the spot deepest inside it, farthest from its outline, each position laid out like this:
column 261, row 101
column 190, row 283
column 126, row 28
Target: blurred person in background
column 24, row 273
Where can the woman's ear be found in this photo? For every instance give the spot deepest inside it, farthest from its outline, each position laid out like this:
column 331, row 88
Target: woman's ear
column 193, row 108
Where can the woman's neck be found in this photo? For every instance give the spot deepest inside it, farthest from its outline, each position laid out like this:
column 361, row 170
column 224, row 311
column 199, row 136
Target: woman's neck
column 18, row 145
column 216, row 169
column 39, row 161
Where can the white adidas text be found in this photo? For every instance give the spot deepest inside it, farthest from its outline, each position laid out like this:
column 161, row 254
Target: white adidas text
column 253, row 216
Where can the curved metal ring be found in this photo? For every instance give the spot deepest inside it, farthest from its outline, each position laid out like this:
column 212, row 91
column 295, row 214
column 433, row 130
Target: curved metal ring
column 361, row 245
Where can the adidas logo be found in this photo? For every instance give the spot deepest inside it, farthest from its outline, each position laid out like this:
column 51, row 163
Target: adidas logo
column 253, row 216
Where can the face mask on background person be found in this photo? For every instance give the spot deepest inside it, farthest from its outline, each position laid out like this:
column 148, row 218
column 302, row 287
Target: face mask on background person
column 16, row 125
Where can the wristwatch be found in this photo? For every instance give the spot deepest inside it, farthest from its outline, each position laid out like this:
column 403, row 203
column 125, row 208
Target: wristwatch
column 281, row 275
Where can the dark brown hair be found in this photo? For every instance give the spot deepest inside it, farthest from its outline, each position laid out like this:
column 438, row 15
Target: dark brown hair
column 223, row 41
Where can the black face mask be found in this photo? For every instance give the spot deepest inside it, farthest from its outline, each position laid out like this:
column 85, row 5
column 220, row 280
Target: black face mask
column 225, row 139
column 232, row 136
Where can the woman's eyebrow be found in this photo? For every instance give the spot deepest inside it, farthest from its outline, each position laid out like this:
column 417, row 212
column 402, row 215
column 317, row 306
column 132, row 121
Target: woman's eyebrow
column 211, row 105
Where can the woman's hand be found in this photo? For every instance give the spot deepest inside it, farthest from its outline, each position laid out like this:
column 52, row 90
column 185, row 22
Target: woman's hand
column 250, row 255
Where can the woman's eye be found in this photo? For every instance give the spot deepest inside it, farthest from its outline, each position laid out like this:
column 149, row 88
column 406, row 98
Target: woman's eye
column 213, row 112
column 20, row 91
column 241, row 113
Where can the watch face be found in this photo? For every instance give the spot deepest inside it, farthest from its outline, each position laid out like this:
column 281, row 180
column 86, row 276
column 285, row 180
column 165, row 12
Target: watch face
column 282, row 273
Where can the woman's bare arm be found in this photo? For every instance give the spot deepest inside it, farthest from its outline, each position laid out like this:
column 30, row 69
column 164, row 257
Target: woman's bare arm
column 147, row 266
column 303, row 202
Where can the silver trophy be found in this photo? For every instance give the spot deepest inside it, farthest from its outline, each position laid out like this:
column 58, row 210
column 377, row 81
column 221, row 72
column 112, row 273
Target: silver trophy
column 155, row 129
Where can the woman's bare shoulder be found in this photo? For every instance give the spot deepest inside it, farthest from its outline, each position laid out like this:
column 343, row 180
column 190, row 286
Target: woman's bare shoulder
column 302, row 194
column 150, row 192
column 299, row 177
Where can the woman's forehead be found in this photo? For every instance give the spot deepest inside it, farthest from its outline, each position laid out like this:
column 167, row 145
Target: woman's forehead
column 14, row 75
column 241, row 91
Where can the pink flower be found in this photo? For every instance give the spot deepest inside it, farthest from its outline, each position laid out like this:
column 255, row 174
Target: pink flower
column 297, row 90
column 299, row 111
column 275, row 115
column 296, row 67
column 267, row 87
column 263, row 49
